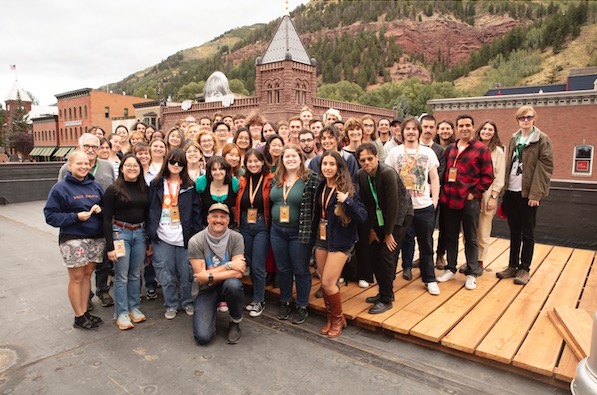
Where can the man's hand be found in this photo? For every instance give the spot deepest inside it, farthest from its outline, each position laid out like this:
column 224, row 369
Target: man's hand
column 533, row 203
column 372, row 236
column 390, row 242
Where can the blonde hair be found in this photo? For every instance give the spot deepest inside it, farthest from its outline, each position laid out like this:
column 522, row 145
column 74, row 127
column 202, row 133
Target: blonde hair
column 524, row 109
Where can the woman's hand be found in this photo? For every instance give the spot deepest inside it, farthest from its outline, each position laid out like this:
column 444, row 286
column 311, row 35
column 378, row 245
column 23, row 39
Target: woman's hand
column 95, row 209
column 84, row 215
column 341, row 196
column 112, row 256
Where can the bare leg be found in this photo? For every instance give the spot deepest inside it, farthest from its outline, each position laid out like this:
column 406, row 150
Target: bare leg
column 331, row 271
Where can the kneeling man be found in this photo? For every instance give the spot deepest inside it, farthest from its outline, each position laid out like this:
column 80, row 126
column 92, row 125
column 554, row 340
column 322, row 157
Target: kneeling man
column 217, row 256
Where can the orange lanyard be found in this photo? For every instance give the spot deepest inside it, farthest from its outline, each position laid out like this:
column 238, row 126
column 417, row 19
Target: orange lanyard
column 173, row 197
column 409, row 165
column 458, row 153
column 253, row 193
column 286, row 190
column 325, row 202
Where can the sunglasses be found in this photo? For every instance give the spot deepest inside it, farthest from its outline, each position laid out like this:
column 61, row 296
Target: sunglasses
column 367, row 159
column 174, row 162
column 526, row 118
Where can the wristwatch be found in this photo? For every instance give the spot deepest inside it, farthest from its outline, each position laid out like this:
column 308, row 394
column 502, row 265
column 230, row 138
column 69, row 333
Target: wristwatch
column 228, row 266
column 210, row 279
column 493, row 196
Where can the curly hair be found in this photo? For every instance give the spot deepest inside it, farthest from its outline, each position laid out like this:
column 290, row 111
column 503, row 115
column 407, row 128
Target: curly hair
column 343, row 183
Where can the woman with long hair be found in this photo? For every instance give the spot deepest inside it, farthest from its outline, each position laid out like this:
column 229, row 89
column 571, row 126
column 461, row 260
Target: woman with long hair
column 487, row 133
column 337, row 210
column 445, row 133
column 174, row 138
column 125, row 205
column 195, row 161
column 528, row 173
column 291, row 235
column 253, row 216
column 353, row 128
column 115, row 146
column 269, row 129
column 123, row 132
column 273, row 151
column 242, row 138
column 218, row 185
column 148, row 133
column 370, row 136
column 255, row 121
column 231, row 153
column 174, row 217
column 73, row 205
column 157, row 150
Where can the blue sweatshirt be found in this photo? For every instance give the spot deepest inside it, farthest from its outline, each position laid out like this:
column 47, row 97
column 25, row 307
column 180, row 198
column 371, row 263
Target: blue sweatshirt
column 68, row 198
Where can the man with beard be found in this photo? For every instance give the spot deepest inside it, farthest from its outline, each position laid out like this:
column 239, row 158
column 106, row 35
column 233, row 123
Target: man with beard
column 307, row 144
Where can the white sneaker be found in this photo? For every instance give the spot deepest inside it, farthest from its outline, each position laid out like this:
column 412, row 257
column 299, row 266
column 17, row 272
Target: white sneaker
column 124, row 322
column 223, row 307
column 433, row 288
column 189, row 310
column 363, row 284
column 251, row 306
column 471, row 283
column 136, row 315
column 170, row 314
column 447, row 275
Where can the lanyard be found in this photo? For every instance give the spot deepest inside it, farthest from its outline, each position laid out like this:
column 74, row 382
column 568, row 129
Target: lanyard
column 325, row 201
column 94, row 171
column 520, row 145
column 374, row 193
column 409, row 165
column 286, row 190
column 458, row 152
column 173, row 196
column 253, row 193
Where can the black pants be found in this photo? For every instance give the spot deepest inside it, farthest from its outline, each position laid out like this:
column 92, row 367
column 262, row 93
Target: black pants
column 521, row 220
column 384, row 261
column 468, row 216
column 364, row 266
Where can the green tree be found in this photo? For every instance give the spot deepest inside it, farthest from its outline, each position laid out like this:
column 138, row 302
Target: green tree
column 343, row 90
column 2, row 122
column 237, row 86
column 19, row 136
column 190, row 90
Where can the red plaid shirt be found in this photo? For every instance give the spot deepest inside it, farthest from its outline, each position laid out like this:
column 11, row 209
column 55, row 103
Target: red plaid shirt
column 475, row 174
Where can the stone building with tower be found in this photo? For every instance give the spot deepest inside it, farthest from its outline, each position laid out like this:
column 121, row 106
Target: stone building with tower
column 285, row 82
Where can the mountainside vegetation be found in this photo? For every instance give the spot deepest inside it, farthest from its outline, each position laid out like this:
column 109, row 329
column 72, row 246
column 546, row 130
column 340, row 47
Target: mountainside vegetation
column 390, row 53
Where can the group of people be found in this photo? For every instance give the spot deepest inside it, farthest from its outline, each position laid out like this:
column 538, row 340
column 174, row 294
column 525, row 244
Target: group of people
column 227, row 196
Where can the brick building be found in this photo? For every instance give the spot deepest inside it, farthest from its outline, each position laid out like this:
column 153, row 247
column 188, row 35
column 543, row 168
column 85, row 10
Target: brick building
column 285, row 82
column 568, row 117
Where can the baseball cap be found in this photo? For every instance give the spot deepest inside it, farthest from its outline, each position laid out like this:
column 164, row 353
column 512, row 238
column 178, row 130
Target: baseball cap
column 220, row 207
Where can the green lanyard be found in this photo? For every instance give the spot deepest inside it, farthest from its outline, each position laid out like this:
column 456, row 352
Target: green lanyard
column 378, row 212
column 94, row 171
column 520, row 145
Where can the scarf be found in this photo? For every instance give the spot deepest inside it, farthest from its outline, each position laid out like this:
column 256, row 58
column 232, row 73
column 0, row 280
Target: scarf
column 218, row 244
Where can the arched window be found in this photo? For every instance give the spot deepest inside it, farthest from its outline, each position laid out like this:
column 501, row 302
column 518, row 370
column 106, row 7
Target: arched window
column 277, row 92
column 583, row 160
column 80, row 113
column 70, row 114
column 85, row 112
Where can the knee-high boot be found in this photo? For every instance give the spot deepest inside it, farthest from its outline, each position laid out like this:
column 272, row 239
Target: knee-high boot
column 326, row 328
column 337, row 317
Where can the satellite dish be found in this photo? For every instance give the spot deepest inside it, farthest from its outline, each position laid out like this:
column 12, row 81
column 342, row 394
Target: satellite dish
column 186, row 105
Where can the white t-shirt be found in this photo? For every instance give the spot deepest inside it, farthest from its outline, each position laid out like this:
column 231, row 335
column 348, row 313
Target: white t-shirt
column 425, row 161
column 167, row 231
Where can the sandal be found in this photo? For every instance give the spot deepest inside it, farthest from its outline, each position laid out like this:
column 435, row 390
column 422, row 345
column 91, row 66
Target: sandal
column 93, row 318
column 85, row 323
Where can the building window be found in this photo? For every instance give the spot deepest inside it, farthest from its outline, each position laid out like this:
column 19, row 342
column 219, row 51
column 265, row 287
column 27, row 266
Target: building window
column 583, row 160
column 70, row 114
column 61, row 135
column 85, row 112
column 80, row 113
column 60, row 114
column 126, row 112
column 70, row 131
column 277, row 92
column 107, row 112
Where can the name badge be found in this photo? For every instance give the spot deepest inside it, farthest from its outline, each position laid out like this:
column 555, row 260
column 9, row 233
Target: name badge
column 452, row 173
column 284, row 214
column 119, row 248
column 174, row 217
column 408, row 180
column 379, row 214
column 252, row 216
column 323, row 226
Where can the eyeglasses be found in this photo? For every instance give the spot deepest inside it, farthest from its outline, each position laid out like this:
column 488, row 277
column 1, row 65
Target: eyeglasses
column 131, row 167
column 368, row 125
column 87, row 147
column 222, row 130
column 367, row 159
column 306, row 141
column 526, row 118
column 174, row 162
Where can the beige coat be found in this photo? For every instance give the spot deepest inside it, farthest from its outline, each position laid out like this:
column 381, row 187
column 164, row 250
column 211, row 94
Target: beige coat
column 498, row 159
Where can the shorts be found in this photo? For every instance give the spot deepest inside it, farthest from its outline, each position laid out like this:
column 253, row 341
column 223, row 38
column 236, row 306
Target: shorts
column 79, row 252
column 323, row 245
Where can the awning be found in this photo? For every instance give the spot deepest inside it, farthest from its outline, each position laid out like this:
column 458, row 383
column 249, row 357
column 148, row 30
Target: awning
column 63, row 151
column 35, row 151
column 42, row 151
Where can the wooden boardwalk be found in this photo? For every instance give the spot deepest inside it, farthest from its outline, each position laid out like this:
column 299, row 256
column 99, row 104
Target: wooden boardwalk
column 500, row 324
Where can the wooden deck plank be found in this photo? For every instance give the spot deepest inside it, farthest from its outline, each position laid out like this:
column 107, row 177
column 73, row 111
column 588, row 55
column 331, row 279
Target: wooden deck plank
column 574, row 325
column 435, row 326
column 505, row 338
column 566, row 369
column 471, row 330
column 541, row 348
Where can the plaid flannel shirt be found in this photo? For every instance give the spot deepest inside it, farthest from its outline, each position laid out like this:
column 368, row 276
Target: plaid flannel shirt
column 474, row 174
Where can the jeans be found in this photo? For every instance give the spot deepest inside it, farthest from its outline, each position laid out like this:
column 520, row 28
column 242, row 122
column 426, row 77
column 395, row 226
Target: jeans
column 171, row 264
column 384, row 261
column 149, row 275
column 256, row 238
column 292, row 259
column 206, row 304
column 469, row 217
column 422, row 227
column 127, row 270
column 521, row 220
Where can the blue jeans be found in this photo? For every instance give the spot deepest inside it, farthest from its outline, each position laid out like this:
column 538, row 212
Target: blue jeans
column 171, row 264
column 256, row 238
column 127, row 270
column 292, row 259
column 206, row 305
column 422, row 227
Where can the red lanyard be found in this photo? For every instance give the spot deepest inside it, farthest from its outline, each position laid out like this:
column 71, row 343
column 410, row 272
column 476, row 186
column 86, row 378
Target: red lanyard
column 173, row 196
column 325, row 202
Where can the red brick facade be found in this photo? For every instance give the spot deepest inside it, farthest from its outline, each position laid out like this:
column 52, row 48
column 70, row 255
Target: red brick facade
column 569, row 118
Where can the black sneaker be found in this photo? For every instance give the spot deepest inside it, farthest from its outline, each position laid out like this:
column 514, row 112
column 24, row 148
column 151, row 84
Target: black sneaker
column 233, row 333
column 257, row 309
column 284, row 311
column 151, row 294
column 106, row 300
column 300, row 315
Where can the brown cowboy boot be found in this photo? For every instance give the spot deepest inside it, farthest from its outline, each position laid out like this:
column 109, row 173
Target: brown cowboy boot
column 326, row 328
column 337, row 317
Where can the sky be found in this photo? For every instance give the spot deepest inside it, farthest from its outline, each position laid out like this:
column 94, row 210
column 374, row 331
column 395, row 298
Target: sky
column 63, row 45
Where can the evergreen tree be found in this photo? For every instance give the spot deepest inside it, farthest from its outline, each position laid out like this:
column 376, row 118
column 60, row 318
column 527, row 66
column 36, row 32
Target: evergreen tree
column 19, row 136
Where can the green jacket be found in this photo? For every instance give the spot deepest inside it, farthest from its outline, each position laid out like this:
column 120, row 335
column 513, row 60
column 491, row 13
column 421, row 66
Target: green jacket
column 537, row 164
